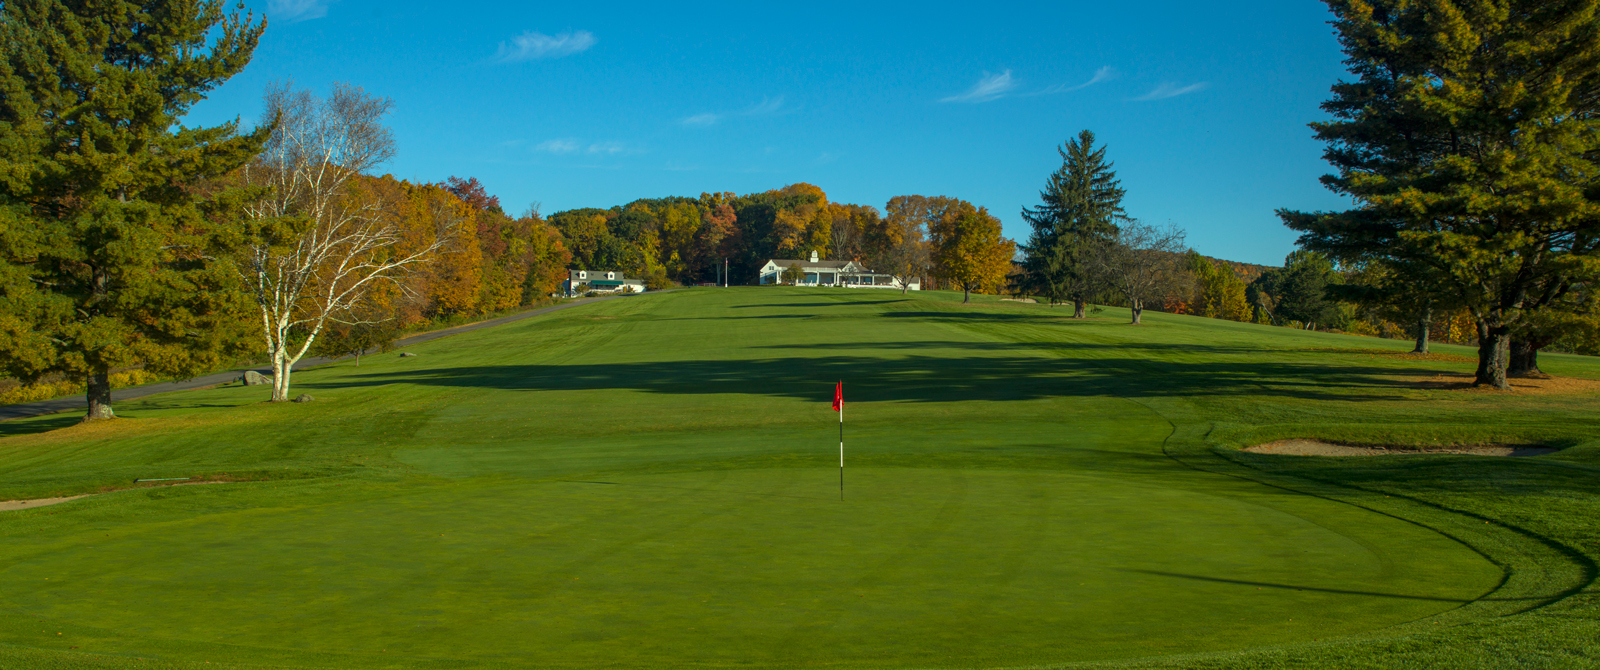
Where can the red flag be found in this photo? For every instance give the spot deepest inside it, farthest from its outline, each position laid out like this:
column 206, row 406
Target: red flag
column 838, row 397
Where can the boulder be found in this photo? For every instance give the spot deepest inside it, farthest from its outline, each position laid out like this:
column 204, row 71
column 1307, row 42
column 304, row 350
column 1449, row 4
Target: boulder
column 406, row 354
column 253, row 378
column 304, row 397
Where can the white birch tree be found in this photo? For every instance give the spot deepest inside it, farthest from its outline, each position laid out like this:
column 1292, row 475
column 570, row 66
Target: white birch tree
column 320, row 246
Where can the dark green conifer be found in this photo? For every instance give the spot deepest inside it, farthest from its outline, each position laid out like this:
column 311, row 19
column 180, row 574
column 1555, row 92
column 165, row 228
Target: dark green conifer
column 113, row 228
column 1468, row 143
column 1077, row 215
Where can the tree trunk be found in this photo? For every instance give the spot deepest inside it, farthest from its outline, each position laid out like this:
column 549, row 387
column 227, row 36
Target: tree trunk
column 280, row 380
column 1078, row 309
column 99, row 396
column 1137, row 307
column 1493, row 349
column 99, row 382
column 1524, row 358
column 1424, row 324
column 966, row 294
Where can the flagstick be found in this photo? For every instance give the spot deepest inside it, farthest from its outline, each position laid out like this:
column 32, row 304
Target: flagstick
column 841, row 447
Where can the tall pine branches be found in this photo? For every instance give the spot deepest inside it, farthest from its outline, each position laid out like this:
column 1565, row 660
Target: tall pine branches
column 111, row 238
column 1468, row 142
column 1079, row 207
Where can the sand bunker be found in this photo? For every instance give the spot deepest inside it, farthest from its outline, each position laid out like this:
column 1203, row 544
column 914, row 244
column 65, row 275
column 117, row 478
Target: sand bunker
column 8, row 505
column 13, row 505
column 1319, row 448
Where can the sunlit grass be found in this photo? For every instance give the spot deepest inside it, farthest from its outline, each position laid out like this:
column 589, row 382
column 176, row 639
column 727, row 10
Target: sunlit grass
column 653, row 482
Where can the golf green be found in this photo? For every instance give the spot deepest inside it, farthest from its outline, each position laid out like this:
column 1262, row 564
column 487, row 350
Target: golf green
column 654, row 482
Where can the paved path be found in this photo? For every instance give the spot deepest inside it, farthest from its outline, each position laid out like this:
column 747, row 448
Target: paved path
column 80, row 402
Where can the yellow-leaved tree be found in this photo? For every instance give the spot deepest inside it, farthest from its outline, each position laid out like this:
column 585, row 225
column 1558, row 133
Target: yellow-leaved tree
column 1220, row 292
column 970, row 251
column 451, row 284
column 801, row 223
column 680, row 228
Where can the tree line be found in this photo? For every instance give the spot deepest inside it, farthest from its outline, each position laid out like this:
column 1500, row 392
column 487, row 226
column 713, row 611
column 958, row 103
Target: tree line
column 1466, row 140
column 131, row 241
column 128, row 239
column 691, row 240
column 1084, row 249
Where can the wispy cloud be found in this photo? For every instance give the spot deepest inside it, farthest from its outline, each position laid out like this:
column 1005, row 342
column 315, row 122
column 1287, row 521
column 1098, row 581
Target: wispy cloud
column 767, row 106
column 1171, row 90
column 534, row 45
column 702, row 120
column 573, row 145
column 297, row 10
column 990, row 87
column 1104, row 74
column 561, row 146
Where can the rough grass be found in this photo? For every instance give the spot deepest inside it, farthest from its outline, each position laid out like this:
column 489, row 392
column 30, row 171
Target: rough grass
column 653, row 483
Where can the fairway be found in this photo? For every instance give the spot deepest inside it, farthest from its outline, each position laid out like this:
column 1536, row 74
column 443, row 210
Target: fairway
column 653, row 482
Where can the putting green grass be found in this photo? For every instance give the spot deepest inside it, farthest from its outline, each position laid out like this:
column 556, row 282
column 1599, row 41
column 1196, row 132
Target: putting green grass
column 653, row 482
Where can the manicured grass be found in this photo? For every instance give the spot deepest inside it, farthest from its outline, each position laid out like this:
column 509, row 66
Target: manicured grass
column 653, row 482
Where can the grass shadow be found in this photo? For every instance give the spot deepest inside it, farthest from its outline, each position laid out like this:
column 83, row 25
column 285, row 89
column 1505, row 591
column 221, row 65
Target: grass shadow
column 830, row 303
column 1315, row 589
column 929, row 379
column 39, row 424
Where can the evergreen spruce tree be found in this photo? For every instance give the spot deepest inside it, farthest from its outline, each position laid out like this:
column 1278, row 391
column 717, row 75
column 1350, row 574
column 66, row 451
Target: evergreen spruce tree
column 111, row 228
column 1303, row 290
column 1468, row 142
column 1077, row 216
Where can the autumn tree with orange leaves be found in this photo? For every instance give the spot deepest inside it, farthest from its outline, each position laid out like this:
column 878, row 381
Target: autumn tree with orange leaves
column 969, row 250
column 665, row 236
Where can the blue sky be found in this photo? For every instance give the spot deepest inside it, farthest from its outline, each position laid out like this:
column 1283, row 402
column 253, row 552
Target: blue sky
column 1204, row 108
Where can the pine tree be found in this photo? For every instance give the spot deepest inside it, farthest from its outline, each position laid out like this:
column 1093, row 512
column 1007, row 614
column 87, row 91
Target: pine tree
column 1303, row 290
column 110, row 229
column 1079, row 208
column 1468, row 143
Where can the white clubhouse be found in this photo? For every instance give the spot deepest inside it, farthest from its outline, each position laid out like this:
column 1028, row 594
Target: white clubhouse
column 847, row 274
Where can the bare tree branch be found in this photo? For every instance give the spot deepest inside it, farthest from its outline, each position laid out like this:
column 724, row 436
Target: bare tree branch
column 322, row 245
column 1141, row 262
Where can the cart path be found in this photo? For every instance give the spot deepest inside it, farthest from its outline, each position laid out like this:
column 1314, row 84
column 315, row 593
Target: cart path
column 80, row 402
